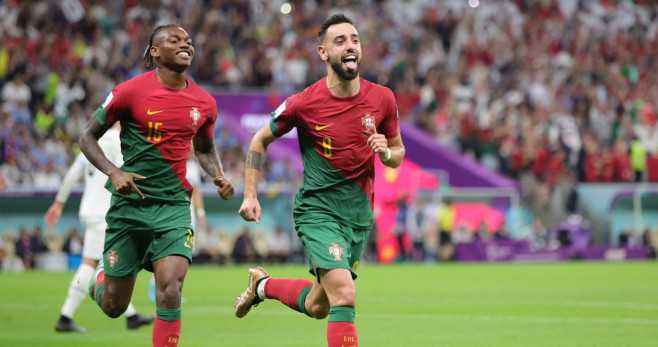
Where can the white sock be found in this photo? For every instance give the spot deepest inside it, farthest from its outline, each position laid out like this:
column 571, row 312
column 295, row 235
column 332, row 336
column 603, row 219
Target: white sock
column 130, row 311
column 260, row 290
column 78, row 289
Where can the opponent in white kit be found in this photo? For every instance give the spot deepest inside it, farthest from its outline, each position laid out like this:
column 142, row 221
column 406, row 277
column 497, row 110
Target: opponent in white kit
column 93, row 206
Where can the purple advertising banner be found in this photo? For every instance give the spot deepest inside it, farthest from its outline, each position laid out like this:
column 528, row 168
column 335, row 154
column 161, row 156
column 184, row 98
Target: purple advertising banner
column 613, row 253
column 509, row 250
column 519, row 251
column 244, row 114
column 574, row 232
column 424, row 150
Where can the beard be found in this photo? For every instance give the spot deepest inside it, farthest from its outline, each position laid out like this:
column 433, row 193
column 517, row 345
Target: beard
column 342, row 71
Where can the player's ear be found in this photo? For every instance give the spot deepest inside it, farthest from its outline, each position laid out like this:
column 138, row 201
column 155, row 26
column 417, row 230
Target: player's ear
column 154, row 51
column 323, row 53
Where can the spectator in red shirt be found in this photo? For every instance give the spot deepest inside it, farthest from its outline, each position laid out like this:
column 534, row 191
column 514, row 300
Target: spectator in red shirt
column 652, row 166
column 555, row 167
column 621, row 161
column 605, row 165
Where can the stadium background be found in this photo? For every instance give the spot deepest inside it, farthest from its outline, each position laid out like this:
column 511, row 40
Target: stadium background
column 532, row 116
column 524, row 112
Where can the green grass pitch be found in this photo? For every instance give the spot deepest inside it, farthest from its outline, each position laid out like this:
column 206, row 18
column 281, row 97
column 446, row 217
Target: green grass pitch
column 556, row 304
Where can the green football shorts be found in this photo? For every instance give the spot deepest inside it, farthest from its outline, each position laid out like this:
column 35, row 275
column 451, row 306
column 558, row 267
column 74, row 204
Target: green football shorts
column 142, row 231
column 331, row 245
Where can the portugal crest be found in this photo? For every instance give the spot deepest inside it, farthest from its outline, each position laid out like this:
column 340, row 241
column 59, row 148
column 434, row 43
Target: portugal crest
column 367, row 119
column 112, row 258
column 195, row 115
column 336, row 251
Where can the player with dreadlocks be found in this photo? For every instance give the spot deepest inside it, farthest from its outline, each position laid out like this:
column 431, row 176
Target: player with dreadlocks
column 161, row 113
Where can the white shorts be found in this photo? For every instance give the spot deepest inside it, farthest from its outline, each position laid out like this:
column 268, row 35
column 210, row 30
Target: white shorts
column 94, row 237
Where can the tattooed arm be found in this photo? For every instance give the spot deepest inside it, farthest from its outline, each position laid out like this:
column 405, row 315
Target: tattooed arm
column 122, row 181
column 250, row 209
column 206, row 154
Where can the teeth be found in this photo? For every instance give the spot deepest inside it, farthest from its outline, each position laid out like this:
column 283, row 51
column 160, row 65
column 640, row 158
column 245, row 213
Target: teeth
column 184, row 53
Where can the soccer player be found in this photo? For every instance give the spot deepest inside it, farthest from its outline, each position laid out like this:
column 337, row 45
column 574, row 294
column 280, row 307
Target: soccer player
column 93, row 206
column 343, row 123
column 197, row 210
column 161, row 112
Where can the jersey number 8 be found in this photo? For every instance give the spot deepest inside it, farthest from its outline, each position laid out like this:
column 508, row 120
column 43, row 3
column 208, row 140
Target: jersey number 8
column 326, row 143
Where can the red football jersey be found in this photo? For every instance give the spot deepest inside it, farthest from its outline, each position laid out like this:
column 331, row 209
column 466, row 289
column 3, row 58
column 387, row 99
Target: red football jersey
column 339, row 168
column 157, row 126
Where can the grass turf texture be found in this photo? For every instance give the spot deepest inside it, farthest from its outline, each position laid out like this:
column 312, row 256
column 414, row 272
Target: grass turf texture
column 558, row 304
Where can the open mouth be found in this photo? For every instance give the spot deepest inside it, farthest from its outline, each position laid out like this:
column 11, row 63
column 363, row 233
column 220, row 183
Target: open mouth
column 184, row 54
column 350, row 61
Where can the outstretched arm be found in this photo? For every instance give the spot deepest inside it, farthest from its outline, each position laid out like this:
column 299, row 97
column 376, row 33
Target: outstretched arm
column 208, row 158
column 72, row 176
column 250, row 209
column 121, row 180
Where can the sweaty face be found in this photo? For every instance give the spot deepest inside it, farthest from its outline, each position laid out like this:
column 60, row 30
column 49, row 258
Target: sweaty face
column 343, row 50
column 173, row 48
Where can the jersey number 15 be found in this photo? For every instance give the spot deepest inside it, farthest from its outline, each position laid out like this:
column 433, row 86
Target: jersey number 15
column 154, row 133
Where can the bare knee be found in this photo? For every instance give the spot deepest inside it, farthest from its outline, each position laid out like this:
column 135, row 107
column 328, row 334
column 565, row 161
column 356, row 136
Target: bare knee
column 169, row 295
column 344, row 296
column 114, row 309
column 319, row 311
column 115, row 297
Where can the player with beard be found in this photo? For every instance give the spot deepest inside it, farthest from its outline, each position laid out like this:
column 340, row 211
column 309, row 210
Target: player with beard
column 161, row 113
column 343, row 123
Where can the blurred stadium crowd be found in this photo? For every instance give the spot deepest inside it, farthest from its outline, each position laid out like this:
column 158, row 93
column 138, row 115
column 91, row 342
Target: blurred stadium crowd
column 550, row 87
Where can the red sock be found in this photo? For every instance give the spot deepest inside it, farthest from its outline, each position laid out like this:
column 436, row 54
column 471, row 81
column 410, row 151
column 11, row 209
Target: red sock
column 166, row 333
column 100, row 279
column 342, row 334
column 99, row 282
column 288, row 291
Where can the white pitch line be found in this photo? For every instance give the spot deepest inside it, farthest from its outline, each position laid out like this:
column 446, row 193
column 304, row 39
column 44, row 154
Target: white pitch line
column 393, row 316
column 538, row 319
column 444, row 317
column 543, row 302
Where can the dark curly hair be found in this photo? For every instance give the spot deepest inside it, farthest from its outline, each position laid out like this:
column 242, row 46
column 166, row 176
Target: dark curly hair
column 148, row 59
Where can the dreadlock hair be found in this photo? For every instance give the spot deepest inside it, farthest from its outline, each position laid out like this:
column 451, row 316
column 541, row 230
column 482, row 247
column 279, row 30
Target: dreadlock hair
column 333, row 20
column 148, row 59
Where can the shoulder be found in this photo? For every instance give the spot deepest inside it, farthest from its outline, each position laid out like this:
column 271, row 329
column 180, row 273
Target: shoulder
column 380, row 95
column 133, row 89
column 138, row 82
column 316, row 89
column 313, row 94
column 377, row 90
column 201, row 93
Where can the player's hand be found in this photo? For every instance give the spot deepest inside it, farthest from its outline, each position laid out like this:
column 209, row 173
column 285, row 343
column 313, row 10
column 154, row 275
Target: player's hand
column 224, row 187
column 250, row 210
column 377, row 142
column 54, row 213
column 124, row 184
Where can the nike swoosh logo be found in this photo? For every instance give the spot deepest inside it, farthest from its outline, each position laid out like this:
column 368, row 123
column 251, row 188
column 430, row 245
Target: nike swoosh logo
column 318, row 127
column 149, row 112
